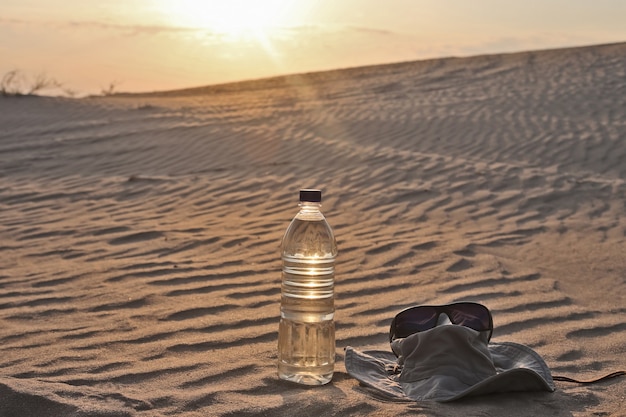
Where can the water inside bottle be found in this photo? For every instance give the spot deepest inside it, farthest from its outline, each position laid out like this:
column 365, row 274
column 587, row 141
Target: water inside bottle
column 307, row 330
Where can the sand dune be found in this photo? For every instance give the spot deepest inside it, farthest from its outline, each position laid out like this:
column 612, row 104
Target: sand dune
column 140, row 271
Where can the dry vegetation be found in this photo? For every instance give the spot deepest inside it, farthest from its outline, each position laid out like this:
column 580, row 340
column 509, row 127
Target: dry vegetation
column 16, row 83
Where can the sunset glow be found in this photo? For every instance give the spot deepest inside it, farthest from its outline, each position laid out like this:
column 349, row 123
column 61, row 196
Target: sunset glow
column 233, row 17
column 147, row 45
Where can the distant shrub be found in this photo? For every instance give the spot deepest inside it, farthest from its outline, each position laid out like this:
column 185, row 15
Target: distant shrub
column 110, row 89
column 15, row 83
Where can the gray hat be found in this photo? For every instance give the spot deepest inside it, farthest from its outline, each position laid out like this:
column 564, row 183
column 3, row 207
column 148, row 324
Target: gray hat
column 447, row 363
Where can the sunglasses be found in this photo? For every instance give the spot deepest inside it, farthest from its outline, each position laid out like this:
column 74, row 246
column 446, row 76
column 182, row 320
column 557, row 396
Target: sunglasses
column 421, row 318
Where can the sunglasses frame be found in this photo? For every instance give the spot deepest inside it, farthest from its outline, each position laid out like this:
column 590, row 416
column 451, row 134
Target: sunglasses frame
column 444, row 308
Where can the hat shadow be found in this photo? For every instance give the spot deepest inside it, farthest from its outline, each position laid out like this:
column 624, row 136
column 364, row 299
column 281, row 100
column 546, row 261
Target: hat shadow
column 558, row 404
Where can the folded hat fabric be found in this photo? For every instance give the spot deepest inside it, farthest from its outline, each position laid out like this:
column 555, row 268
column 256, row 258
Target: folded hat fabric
column 447, row 363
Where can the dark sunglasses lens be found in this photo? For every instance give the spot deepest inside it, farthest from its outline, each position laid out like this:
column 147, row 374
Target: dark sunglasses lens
column 474, row 316
column 422, row 318
column 414, row 320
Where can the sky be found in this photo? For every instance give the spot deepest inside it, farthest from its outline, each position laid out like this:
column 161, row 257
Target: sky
column 147, row 45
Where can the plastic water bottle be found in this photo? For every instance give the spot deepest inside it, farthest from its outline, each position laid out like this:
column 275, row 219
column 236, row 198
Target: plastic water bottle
column 306, row 333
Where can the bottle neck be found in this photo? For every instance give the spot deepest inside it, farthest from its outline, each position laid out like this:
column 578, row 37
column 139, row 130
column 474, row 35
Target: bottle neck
column 310, row 211
column 309, row 205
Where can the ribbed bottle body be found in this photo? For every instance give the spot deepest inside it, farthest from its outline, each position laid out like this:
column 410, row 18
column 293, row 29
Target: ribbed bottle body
column 306, row 336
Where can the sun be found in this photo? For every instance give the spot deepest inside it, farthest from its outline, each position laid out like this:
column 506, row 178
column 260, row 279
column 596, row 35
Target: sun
column 229, row 17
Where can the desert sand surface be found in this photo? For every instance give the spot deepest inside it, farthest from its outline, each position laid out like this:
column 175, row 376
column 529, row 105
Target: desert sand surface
column 139, row 234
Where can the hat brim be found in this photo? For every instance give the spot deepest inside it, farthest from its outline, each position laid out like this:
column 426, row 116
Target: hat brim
column 519, row 369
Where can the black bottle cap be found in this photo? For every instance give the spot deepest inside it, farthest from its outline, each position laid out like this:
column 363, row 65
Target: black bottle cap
column 312, row 196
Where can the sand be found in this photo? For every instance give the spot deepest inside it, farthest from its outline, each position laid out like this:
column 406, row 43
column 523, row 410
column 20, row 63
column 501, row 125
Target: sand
column 139, row 234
